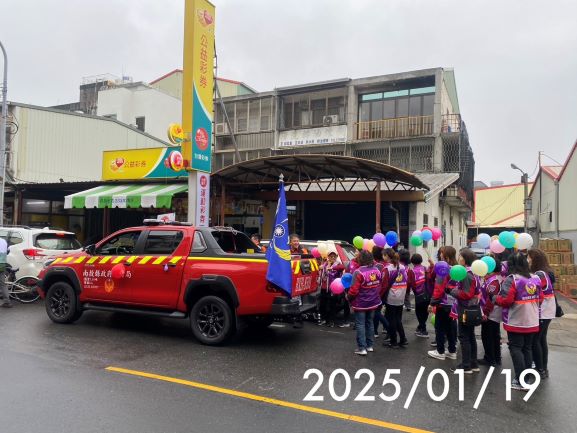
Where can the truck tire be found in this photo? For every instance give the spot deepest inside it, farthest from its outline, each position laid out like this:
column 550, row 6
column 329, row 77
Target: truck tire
column 62, row 303
column 211, row 320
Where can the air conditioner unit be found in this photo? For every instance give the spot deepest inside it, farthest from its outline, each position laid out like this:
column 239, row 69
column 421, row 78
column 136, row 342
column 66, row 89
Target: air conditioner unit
column 330, row 120
column 221, row 128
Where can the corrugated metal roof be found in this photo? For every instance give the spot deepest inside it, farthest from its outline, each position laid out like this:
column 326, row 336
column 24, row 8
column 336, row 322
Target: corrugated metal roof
column 437, row 182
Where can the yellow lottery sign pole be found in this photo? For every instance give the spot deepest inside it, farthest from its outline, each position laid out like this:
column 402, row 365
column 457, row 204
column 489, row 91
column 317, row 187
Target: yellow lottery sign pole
column 197, row 104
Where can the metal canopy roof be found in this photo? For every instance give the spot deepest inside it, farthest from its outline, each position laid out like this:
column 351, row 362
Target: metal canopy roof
column 324, row 172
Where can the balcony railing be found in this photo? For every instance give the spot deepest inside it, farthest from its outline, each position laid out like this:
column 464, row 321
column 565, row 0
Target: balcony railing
column 451, row 123
column 394, row 128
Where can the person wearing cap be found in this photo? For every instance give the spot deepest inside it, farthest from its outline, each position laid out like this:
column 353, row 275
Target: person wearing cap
column 330, row 270
column 3, row 288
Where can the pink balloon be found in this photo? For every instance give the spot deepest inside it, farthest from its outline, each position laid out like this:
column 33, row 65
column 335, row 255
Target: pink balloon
column 496, row 247
column 437, row 233
column 337, row 286
column 367, row 245
column 315, row 252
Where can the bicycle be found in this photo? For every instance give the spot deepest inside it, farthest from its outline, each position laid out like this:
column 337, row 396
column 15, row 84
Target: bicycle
column 24, row 289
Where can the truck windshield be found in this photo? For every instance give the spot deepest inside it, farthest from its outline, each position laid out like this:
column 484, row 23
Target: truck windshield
column 234, row 242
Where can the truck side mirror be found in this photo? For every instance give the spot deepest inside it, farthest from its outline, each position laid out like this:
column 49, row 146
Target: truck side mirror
column 90, row 249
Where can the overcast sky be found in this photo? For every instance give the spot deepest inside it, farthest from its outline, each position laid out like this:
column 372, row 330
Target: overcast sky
column 515, row 61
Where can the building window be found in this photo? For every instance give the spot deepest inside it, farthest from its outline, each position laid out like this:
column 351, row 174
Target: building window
column 242, row 116
column 140, row 123
column 397, row 103
column 254, row 116
column 265, row 114
column 425, row 220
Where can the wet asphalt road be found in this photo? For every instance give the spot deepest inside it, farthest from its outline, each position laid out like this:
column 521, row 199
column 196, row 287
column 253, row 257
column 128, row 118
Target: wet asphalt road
column 54, row 380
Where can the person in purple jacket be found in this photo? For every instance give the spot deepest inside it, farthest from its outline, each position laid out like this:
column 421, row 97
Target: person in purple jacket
column 364, row 297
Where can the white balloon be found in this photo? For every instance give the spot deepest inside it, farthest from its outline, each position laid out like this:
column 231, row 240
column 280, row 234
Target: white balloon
column 480, row 268
column 524, row 241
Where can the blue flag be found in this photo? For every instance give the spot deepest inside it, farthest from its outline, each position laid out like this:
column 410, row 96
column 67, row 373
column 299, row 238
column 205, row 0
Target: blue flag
column 278, row 253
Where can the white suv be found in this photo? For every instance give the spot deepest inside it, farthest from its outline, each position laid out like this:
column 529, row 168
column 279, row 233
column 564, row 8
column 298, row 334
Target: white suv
column 31, row 247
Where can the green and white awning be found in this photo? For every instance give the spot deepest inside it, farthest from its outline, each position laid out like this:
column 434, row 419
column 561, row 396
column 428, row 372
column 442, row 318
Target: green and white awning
column 125, row 196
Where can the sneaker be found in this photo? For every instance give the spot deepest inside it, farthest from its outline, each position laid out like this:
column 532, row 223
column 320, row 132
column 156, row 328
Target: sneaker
column 321, row 322
column 475, row 368
column 345, row 325
column 404, row 343
column 436, row 355
column 433, row 343
column 451, row 355
column 544, row 374
column 330, row 325
column 376, row 335
column 408, row 309
column 424, row 334
column 370, row 349
column 460, row 367
column 516, row 385
column 486, row 363
column 386, row 337
column 362, row 352
column 391, row 346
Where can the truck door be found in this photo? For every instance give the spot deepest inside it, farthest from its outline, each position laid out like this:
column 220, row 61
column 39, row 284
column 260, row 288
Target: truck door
column 157, row 274
column 96, row 271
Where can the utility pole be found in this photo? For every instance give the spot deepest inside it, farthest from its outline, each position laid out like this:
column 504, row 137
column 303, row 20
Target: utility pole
column 3, row 118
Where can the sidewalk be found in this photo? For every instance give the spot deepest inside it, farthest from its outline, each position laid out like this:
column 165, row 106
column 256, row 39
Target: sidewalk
column 563, row 331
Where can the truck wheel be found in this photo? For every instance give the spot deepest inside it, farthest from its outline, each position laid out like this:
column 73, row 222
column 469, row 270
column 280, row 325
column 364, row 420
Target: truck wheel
column 259, row 322
column 62, row 303
column 211, row 320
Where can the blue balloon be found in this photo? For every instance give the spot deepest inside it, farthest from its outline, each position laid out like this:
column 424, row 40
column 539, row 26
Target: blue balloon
column 484, row 240
column 347, row 280
column 426, row 235
column 392, row 238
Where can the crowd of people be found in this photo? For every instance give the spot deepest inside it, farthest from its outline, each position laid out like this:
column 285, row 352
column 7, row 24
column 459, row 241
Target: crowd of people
column 518, row 294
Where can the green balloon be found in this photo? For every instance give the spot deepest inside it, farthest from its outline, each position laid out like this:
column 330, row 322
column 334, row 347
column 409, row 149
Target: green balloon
column 416, row 241
column 507, row 239
column 358, row 242
column 458, row 273
column 433, row 319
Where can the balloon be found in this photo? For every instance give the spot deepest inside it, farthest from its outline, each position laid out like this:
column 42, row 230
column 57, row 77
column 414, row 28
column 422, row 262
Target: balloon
column 433, row 319
column 315, row 252
column 524, row 241
column 442, row 269
column 118, row 271
column 371, row 245
column 490, row 262
column 379, row 239
column 496, row 247
column 416, row 240
column 458, row 273
column 347, row 280
column 480, row 268
column 323, row 249
column 392, row 238
column 417, row 233
column 507, row 239
column 337, row 286
column 358, row 242
column 484, row 240
column 366, row 245
column 437, row 233
column 426, row 234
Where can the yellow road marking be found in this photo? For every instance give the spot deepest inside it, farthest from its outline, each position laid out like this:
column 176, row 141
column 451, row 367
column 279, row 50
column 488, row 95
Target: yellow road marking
column 92, row 260
column 226, row 259
column 273, row 401
column 131, row 259
column 118, row 259
column 80, row 259
column 159, row 260
column 67, row 260
column 175, row 259
column 104, row 260
column 144, row 260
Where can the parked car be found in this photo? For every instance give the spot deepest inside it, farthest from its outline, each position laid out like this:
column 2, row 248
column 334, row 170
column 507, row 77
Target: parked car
column 478, row 250
column 209, row 275
column 31, row 247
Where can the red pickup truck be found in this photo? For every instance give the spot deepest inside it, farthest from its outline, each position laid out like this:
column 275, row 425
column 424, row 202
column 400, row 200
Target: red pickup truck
column 214, row 276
